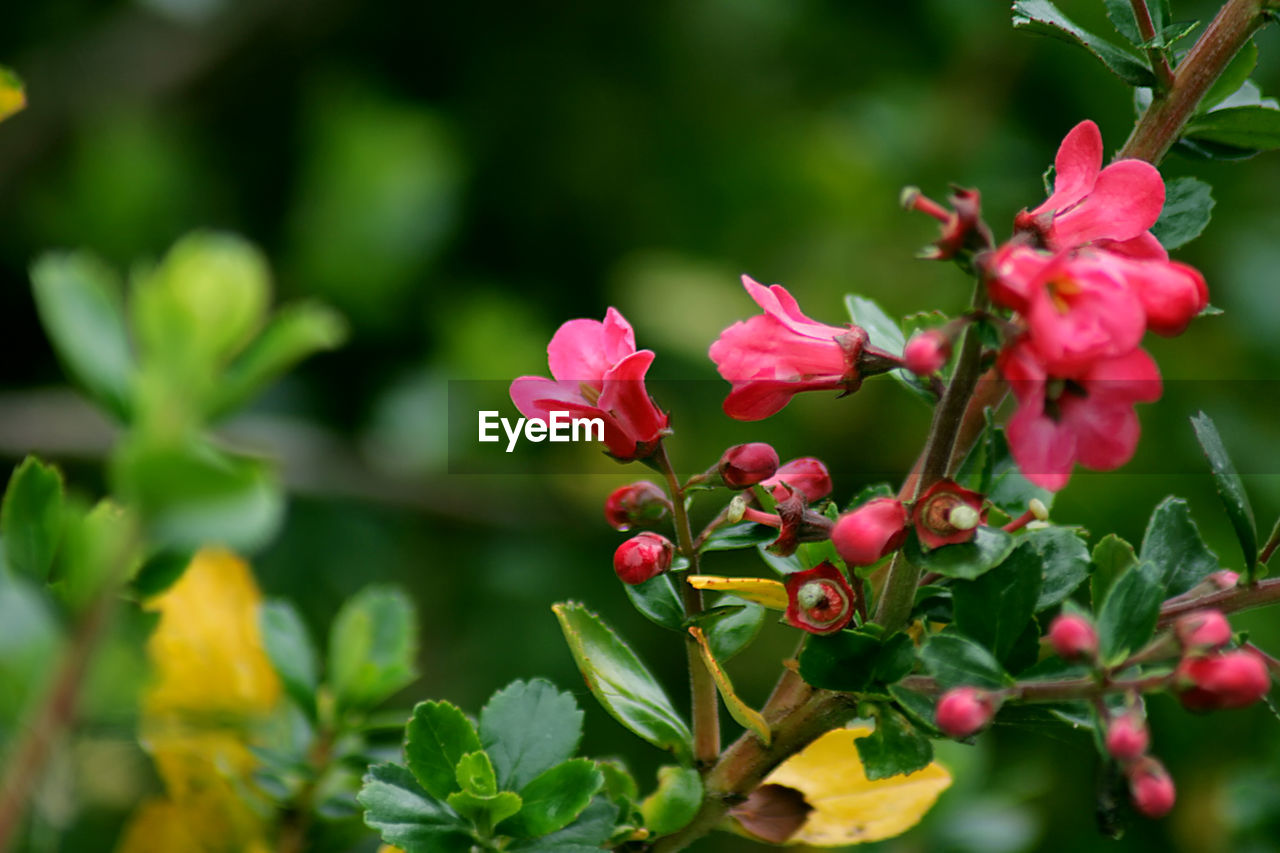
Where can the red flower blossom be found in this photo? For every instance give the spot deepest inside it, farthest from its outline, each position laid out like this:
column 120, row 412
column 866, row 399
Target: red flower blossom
column 820, row 600
column 947, row 514
column 806, row 475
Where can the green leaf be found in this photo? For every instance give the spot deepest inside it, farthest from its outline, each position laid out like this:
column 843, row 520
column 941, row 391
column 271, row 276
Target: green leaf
column 373, row 646
column 160, row 571
column 620, row 681
column 955, row 660
column 1129, row 613
column 407, row 816
column 844, row 660
column 658, row 601
column 436, row 738
column 744, row 534
column 13, row 95
column 619, row 785
column 99, row 549
column 1043, row 18
column 593, row 828
column 294, row 333
column 291, row 651
column 884, row 332
column 31, row 518
column 528, row 727
column 989, row 548
column 1231, row 78
column 895, row 748
column 1230, row 488
column 1111, row 557
column 81, row 308
column 474, row 774
column 554, row 798
column 870, row 493
column 1241, row 127
column 675, row 802
column 995, row 608
column 1121, row 14
column 1065, row 559
column 1172, row 542
column 733, row 631
column 1188, row 206
column 485, row 810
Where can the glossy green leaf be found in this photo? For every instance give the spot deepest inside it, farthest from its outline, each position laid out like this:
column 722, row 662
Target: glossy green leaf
column 1128, row 615
column 436, row 738
column 1254, row 127
column 619, row 785
column 1112, row 556
column 884, row 332
column 407, row 816
column 1121, row 14
column 620, row 681
column 293, row 334
column 870, row 493
column 99, row 549
column 955, row 660
column 485, row 810
column 1230, row 488
column 161, row 570
column 844, row 660
column 82, row 311
column 593, row 828
column 1188, row 207
column 554, row 798
column 658, row 601
column 995, row 608
column 736, row 628
column 675, row 802
column 744, row 534
column 989, row 548
column 291, row 651
column 528, row 727
column 1173, row 544
column 1065, row 563
column 1044, row 18
column 475, row 775
column 895, row 748
column 1231, row 78
column 373, row 647
column 31, row 518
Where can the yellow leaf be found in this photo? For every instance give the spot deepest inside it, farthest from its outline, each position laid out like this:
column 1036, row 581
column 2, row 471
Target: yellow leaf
column 847, row 807
column 12, row 95
column 747, row 717
column 770, row 593
column 387, row 848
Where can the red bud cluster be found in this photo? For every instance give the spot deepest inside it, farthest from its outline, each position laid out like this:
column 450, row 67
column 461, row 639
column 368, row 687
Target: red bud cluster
column 643, row 557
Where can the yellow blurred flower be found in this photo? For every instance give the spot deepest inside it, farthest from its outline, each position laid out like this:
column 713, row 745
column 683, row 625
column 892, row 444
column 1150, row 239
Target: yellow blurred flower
column 841, row 805
column 213, row 683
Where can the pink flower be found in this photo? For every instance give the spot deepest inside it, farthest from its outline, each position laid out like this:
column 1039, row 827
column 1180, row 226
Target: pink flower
column 820, row 600
column 744, row 465
column 963, row 711
column 1151, row 788
column 871, row 531
column 781, row 352
column 806, row 475
column 1127, row 737
column 926, row 352
column 1203, row 630
column 1085, row 416
column 1223, row 680
column 947, row 514
column 1078, row 307
column 1111, row 208
column 1073, row 637
column 1171, row 293
column 598, row 373
column 643, row 557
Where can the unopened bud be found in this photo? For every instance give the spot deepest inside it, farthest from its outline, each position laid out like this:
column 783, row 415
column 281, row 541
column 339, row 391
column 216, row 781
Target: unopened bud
column 1221, row 680
column 871, row 531
column 1203, row 630
column 963, row 711
column 744, row 465
column 1151, row 788
column 926, row 352
column 1073, row 637
column 1127, row 737
column 805, row 475
column 638, row 505
column 643, row 557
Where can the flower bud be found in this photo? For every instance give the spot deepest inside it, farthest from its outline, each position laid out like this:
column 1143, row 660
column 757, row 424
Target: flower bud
column 1151, row 788
column 874, row 529
column 1203, row 630
column 1224, row 579
column 926, row 352
column 642, row 557
column 1073, row 637
column 820, row 600
column 637, row 505
column 1127, row 737
column 744, row 465
column 1221, row 680
column 963, row 711
column 805, row 475
column 947, row 514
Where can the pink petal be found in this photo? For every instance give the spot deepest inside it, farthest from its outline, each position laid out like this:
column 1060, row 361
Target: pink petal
column 619, row 339
column 1045, row 452
column 1106, row 434
column 763, row 345
column 536, row 396
column 1172, row 294
column 778, row 303
column 1125, row 202
column 576, row 352
column 1130, row 378
column 1019, row 365
column 1075, row 167
column 757, row 399
column 1144, row 247
column 626, row 399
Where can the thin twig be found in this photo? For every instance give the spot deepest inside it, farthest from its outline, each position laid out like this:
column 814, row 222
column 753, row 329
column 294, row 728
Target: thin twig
column 1147, row 29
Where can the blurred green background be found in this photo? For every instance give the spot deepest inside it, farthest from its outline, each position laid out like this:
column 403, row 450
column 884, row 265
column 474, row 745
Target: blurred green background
column 459, row 179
